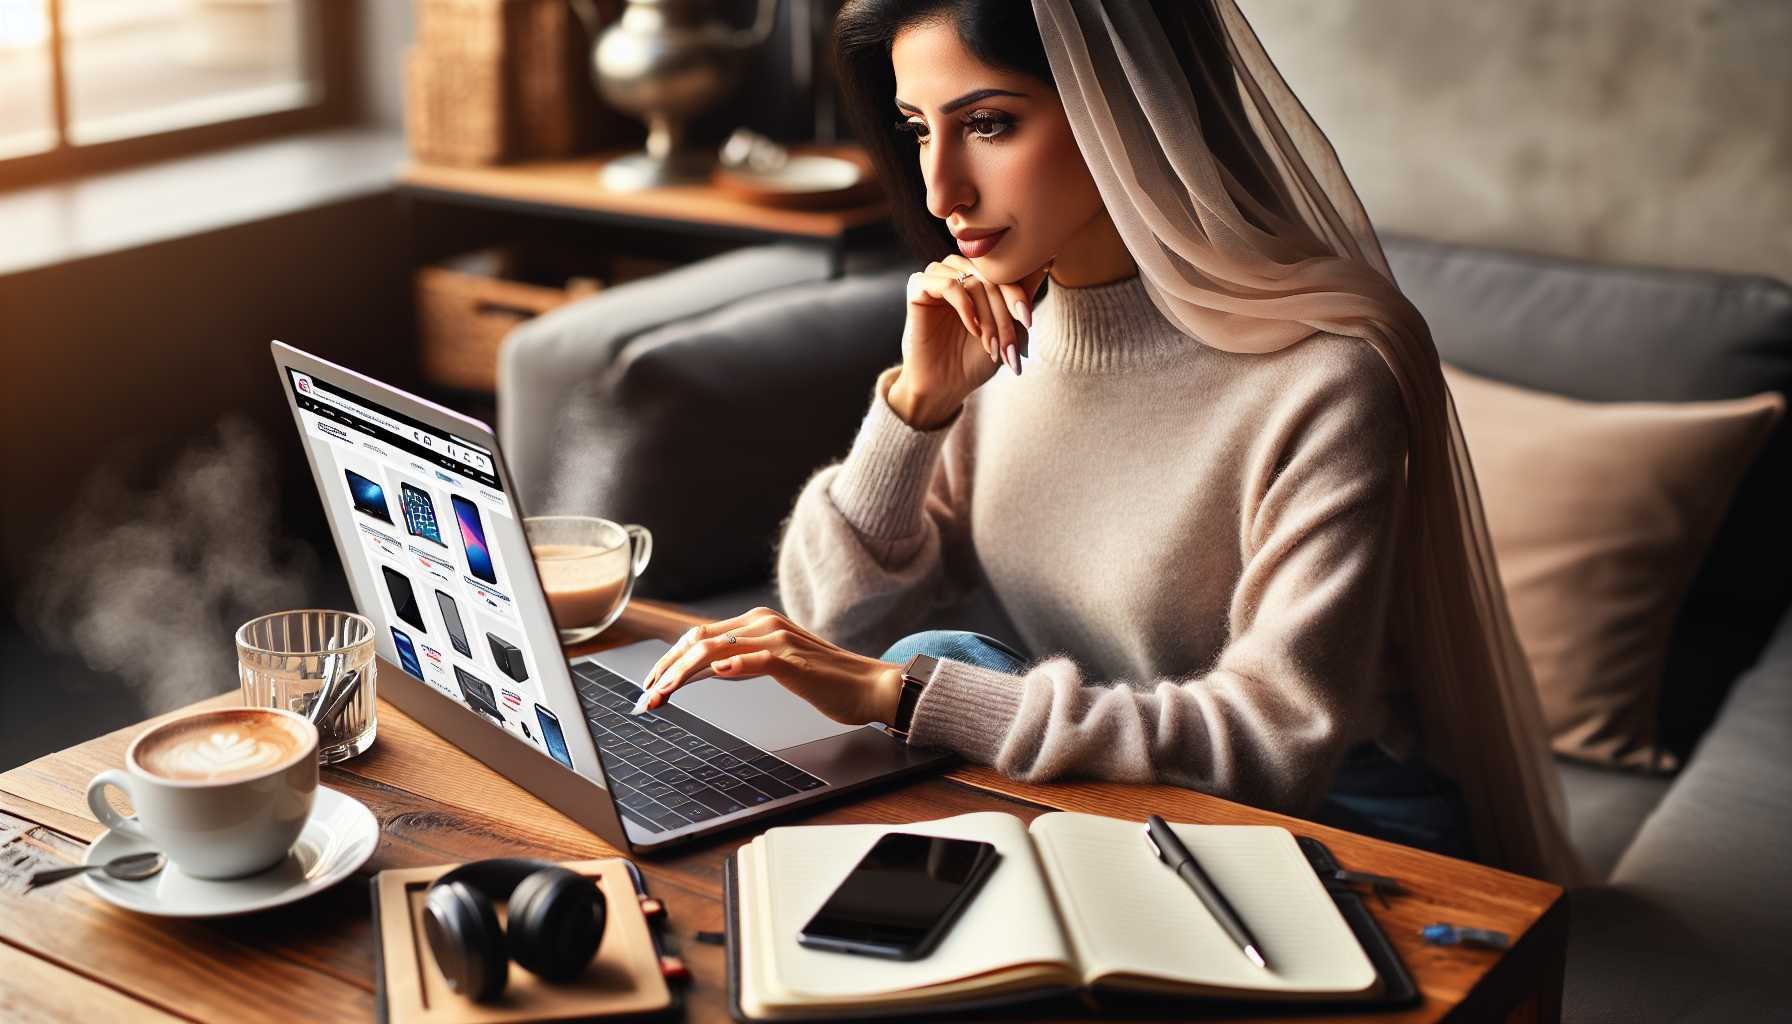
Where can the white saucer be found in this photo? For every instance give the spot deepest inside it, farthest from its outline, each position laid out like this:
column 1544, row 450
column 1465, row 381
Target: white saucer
column 338, row 838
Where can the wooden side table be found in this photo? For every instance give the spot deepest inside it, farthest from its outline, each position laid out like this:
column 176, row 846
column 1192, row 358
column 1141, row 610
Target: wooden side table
column 67, row 955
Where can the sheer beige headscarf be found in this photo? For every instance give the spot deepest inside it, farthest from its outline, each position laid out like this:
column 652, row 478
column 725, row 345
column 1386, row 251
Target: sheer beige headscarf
column 1249, row 236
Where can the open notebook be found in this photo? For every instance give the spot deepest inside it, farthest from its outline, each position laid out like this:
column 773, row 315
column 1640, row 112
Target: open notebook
column 1077, row 901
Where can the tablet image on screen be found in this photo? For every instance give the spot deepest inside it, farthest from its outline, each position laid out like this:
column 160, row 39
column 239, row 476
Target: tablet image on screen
column 420, row 513
column 404, row 599
column 369, row 497
column 472, row 537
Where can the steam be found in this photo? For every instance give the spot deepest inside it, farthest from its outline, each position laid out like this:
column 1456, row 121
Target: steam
column 151, row 585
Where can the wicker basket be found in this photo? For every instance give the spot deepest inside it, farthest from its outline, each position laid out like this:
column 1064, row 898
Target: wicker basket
column 496, row 80
column 463, row 315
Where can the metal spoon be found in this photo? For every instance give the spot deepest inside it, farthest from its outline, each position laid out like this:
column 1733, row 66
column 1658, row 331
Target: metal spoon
column 131, row 867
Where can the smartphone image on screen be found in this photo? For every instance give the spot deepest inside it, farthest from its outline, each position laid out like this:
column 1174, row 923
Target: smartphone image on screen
column 404, row 599
column 420, row 514
column 472, row 537
column 369, row 497
column 551, row 735
column 901, row 897
column 457, row 631
column 407, row 653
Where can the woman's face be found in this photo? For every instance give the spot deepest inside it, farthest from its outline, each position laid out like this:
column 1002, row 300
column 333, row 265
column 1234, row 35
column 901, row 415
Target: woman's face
column 995, row 150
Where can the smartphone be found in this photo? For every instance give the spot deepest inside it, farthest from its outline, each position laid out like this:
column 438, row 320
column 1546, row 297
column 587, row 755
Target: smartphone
column 472, row 537
column 407, row 653
column 552, row 736
column 457, row 631
column 420, row 513
column 901, row 897
column 369, row 497
column 404, row 599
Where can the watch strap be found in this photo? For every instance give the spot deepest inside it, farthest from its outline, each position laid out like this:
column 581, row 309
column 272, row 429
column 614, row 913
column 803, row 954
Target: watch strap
column 917, row 672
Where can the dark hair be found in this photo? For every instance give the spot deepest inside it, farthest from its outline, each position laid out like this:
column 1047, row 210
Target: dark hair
column 1003, row 34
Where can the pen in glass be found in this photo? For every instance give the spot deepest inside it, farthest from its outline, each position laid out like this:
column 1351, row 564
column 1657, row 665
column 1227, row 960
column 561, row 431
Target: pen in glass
column 1169, row 849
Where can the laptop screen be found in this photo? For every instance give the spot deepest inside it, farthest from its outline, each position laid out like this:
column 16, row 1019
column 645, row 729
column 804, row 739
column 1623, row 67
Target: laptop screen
column 438, row 558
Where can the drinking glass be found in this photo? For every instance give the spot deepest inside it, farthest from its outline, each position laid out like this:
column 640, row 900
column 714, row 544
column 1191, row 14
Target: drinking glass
column 280, row 662
column 588, row 567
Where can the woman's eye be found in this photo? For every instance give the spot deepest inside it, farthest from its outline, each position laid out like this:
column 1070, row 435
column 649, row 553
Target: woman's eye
column 986, row 125
column 980, row 124
column 916, row 128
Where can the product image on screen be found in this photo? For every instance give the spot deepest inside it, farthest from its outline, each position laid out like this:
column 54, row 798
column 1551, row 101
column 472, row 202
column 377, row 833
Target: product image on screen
column 457, row 632
column 551, row 735
column 420, row 514
column 472, row 537
column 478, row 693
column 369, row 497
column 407, row 653
column 508, row 657
column 404, row 599
column 901, row 898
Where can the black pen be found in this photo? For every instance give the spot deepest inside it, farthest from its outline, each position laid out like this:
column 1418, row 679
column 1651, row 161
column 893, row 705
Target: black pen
column 1169, row 849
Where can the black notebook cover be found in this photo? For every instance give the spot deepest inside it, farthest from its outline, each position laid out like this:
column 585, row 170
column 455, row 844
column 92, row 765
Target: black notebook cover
column 1398, row 989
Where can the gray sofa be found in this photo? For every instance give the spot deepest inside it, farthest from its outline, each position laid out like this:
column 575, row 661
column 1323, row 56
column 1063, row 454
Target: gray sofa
column 700, row 409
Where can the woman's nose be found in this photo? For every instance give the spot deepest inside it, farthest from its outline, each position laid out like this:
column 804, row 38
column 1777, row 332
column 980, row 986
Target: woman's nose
column 948, row 187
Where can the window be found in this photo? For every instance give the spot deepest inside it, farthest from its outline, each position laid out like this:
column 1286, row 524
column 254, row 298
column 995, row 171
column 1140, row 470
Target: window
column 86, row 84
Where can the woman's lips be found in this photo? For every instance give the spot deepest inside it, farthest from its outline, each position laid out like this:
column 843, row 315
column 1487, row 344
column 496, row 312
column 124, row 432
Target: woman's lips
column 974, row 247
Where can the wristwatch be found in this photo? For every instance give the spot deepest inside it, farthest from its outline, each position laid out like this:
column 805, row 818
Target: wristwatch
column 916, row 674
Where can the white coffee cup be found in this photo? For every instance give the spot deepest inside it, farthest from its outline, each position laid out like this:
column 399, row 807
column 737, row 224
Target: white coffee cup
column 223, row 793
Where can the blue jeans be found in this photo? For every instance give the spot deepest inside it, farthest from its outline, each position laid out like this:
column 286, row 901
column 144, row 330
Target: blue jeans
column 1374, row 795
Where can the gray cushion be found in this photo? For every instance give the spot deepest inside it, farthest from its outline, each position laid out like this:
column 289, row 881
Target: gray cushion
column 1608, row 333
column 1697, row 918
column 544, row 360
column 704, row 430
column 1606, row 807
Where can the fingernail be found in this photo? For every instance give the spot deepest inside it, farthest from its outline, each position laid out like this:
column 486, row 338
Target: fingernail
column 1022, row 313
column 1012, row 358
column 721, row 666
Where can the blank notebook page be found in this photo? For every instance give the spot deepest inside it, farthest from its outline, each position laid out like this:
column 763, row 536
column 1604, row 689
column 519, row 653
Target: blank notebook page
column 1129, row 913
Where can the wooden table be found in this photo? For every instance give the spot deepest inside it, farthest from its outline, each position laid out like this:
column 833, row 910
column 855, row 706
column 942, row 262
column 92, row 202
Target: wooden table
column 67, row 955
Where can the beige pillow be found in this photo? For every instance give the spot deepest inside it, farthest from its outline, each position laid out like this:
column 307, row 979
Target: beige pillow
column 1600, row 514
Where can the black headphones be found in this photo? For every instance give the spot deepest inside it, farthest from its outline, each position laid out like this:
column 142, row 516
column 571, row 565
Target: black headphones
column 556, row 922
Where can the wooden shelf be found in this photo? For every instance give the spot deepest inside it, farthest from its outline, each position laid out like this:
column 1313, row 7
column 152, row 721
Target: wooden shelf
column 572, row 186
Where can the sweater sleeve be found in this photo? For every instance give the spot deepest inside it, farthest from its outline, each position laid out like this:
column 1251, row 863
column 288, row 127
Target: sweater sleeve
column 1293, row 686
column 879, row 540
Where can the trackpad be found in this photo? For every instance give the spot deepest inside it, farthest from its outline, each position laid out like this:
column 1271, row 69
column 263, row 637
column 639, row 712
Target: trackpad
column 758, row 710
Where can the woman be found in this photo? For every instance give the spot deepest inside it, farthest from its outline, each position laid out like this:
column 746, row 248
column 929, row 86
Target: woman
column 1223, row 497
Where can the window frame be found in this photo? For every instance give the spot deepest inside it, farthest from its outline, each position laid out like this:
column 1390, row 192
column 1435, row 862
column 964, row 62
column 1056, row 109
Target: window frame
column 330, row 40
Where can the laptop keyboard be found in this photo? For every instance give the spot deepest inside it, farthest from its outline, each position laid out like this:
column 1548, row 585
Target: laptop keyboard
column 667, row 767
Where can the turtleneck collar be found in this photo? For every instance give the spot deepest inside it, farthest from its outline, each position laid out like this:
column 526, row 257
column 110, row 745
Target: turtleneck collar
column 1102, row 329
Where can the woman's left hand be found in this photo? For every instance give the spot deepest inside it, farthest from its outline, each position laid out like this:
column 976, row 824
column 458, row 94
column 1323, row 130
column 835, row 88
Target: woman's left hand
column 844, row 686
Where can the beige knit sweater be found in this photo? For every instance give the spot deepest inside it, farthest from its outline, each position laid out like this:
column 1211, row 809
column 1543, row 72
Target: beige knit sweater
column 1199, row 544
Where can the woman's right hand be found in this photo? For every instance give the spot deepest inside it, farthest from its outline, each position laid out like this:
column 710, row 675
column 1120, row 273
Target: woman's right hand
column 955, row 337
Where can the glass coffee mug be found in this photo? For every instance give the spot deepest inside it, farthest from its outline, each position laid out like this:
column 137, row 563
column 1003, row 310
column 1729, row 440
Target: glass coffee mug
column 588, row 568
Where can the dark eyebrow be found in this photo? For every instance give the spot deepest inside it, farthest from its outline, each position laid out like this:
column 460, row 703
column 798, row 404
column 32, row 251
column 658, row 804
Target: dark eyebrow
column 969, row 97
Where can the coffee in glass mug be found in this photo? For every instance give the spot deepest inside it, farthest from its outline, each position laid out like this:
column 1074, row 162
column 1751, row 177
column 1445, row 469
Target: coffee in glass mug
column 588, row 567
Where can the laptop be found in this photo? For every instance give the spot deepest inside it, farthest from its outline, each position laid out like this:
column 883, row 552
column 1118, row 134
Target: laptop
column 426, row 520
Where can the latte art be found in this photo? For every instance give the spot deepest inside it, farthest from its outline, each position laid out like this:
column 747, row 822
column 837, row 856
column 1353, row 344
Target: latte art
column 229, row 744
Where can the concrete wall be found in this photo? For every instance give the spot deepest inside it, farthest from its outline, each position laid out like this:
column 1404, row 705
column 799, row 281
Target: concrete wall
column 1641, row 131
